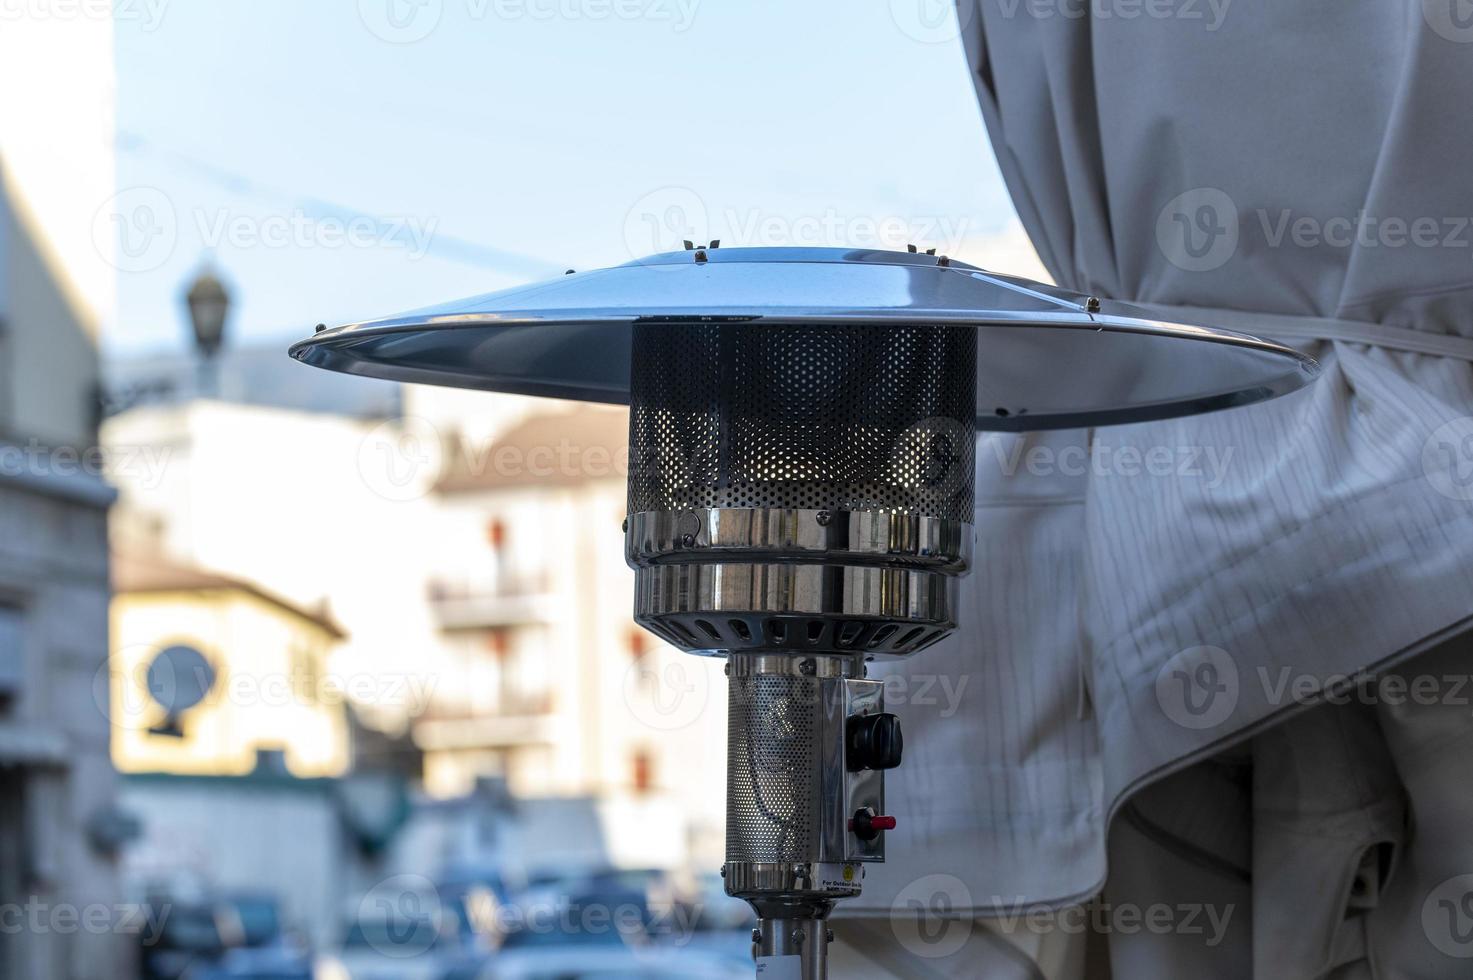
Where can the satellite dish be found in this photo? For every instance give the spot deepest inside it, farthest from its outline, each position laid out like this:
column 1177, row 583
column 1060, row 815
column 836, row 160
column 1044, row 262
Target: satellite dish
column 179, row 677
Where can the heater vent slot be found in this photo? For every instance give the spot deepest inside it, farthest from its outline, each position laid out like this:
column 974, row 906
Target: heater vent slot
column 837, row 417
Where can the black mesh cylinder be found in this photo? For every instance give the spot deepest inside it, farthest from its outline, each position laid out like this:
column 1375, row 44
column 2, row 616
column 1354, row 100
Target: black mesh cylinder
column 820, row 417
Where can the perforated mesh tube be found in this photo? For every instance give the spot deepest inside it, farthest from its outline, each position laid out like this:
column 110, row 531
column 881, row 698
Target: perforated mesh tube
column 772, row 766
column 823, row 417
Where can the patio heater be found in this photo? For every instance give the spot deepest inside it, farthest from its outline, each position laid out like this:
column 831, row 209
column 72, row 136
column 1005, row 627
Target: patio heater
column 802, row 432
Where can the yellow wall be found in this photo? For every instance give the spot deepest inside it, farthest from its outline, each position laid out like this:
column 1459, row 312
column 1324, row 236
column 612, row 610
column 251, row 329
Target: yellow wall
column 271, row 687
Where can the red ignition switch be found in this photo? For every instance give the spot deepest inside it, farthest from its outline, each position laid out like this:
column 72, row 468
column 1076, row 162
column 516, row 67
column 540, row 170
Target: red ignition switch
column 867, row 826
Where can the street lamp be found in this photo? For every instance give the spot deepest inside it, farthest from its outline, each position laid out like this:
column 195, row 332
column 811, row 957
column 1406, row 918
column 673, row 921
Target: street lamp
column 209, row 307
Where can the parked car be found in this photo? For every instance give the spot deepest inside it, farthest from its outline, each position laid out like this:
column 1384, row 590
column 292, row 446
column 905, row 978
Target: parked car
column 594, row 961
column 400, row 947
column 265, row 963
column 203, row 932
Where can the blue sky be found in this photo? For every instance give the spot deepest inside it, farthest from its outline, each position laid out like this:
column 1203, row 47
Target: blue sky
column 341, row 159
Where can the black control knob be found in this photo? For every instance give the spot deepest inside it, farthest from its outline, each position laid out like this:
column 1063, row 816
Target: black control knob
column 874, row 742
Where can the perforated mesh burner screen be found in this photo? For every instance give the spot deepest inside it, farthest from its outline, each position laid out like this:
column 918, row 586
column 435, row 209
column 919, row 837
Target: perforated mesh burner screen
column 771, row 768
column 828, row 417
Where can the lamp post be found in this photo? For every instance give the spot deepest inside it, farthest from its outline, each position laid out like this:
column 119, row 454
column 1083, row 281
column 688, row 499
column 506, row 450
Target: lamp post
column 209, row 307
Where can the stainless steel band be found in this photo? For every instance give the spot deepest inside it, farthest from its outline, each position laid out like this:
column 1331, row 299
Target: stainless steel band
column 820, row 536
column 798, row 581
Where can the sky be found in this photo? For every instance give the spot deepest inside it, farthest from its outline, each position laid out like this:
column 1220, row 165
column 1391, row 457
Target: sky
column 337, row 160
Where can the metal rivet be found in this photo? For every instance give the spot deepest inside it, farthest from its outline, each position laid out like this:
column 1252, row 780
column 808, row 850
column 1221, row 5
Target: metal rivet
column 808, row 668
column 823, row 517
column 688, row 540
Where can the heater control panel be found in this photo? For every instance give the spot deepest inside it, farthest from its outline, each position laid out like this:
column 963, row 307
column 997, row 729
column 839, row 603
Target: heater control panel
column 859, row 740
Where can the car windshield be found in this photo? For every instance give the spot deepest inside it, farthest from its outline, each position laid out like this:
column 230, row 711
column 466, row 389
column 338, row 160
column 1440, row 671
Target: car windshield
column 392, row 934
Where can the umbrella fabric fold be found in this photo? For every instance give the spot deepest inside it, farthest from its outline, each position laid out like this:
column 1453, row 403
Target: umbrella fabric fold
column 1151, row 596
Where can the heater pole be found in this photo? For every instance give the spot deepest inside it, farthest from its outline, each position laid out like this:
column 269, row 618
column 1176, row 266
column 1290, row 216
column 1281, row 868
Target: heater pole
column 800, row 944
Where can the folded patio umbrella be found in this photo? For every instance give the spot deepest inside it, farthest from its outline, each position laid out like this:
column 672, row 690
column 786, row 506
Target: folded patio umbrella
column 1151, row 596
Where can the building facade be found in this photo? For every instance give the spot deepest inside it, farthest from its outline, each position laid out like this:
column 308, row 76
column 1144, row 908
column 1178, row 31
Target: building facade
column 60, row 827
